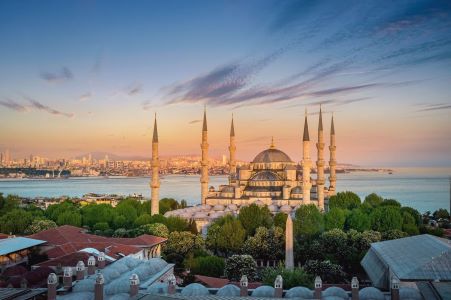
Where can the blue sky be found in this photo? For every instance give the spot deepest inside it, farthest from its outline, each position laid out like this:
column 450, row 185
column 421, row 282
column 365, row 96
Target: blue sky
column 86, row 76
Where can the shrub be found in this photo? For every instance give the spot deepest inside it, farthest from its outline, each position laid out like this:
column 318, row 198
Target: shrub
column 393, row 234
column 143, row 219
column 40, row 225
column 206, row 265
column 291, row 278
column 239, row 265
column 329, row 272
column 156, row 229
column 101, row 226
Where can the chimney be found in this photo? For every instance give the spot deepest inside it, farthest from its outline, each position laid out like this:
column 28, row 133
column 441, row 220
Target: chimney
column 98, row 287
column 243, row 286
column 52, row 283
column 23, row 283
column 134, row 285
column 80, row 268
column 318, row 288
column 395, row 288
column 101, row 260
column 91, row 265
column 355, row 288
column 278, row 286
column 172, row 282
column 67, row 278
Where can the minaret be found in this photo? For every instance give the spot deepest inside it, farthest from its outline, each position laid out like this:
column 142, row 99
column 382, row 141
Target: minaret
column 232, row 149
column 289, row 257
column 306, row 163
column 155, row 183
column 204, row 162
column 332, row 161
column 320, row 162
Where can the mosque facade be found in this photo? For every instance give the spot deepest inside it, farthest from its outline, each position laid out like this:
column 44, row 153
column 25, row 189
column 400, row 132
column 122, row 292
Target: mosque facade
column 272, row 178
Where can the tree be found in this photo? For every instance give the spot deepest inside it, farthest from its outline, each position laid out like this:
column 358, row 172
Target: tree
column 97, row 213
column 441, row 214
column 330, row 241
column 15, row 221
column 345, row 200
column 373, row 200
column 168, row 204
column 239, row 265
column 291, row 278
column 39, row 225
column 358, row 220
column 414, row 213
column 231, row 236
column 119, row 222
column 335, row 218
column 156, row 229
column 309, row 220
column 143, row 219
column 280, row 220
column 128, row 211
column 175, row 223
column 55, row 210
column 158, row 219
column 182, row 243
column 254, row 216
column 9, row 203
column 69, row 218
column 391, row 202
column 385, row 218
column 266, row 243
column 206, row 265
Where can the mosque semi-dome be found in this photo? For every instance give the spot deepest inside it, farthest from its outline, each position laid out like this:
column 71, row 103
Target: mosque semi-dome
column 272, row 155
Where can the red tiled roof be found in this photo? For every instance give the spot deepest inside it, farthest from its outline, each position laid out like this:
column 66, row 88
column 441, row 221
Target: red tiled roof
column 211, row 282
column 144, row 240
column 67, row 260
column 16, row 270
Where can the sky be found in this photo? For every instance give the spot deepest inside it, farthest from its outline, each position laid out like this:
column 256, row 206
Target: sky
column 88, row 76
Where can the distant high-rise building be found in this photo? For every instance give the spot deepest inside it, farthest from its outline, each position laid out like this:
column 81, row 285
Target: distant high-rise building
column 224, row 159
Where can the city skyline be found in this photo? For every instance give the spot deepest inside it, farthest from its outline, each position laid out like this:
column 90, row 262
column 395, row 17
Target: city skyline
column 77, row 78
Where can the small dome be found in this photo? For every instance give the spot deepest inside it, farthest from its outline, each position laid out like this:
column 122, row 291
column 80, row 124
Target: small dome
column 218, row 207
column 408, row 293
column 259, row 203
column 264, row 291
column 273, row 208
column 272, row 155
column 211, row 189
column 233, row 207
column 296, row 190
column 299, row 292
column 195, row 289
column 371, row 293
column 206, row 207
column 265, row 176
column 158, row 288
column 285, row 208
column 229, row 290
column 200, row 215
column 336, row 292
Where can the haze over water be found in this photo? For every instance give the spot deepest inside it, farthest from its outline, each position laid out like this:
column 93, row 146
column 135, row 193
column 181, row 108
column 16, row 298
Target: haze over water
column 421, row 188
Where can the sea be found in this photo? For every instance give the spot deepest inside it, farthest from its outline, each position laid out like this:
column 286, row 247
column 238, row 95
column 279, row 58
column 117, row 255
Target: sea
column 425, row 189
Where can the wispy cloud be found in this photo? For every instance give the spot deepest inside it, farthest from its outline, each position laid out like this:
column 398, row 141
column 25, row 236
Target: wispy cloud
column 13, row 105
column 85, row 97
column 434, row 107
column 133, row 89
column 194, row 121
column 39, row 106
column 62, row 75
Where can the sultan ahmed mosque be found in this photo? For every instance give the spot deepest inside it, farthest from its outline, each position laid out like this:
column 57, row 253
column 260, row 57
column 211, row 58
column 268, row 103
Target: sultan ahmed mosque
column 272, row 178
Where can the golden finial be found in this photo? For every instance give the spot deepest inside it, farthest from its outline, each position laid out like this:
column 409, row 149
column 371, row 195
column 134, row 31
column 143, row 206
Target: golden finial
column 272, row 146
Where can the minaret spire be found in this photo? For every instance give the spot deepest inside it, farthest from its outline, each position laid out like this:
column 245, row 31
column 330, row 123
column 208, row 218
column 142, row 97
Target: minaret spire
column 320, row 162
column 306, row 163
column 232, row 149
column 155, row 182
column 332, row 161
column 204, row 162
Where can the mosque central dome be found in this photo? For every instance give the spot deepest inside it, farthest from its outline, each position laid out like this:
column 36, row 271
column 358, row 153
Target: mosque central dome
column 272, row 155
